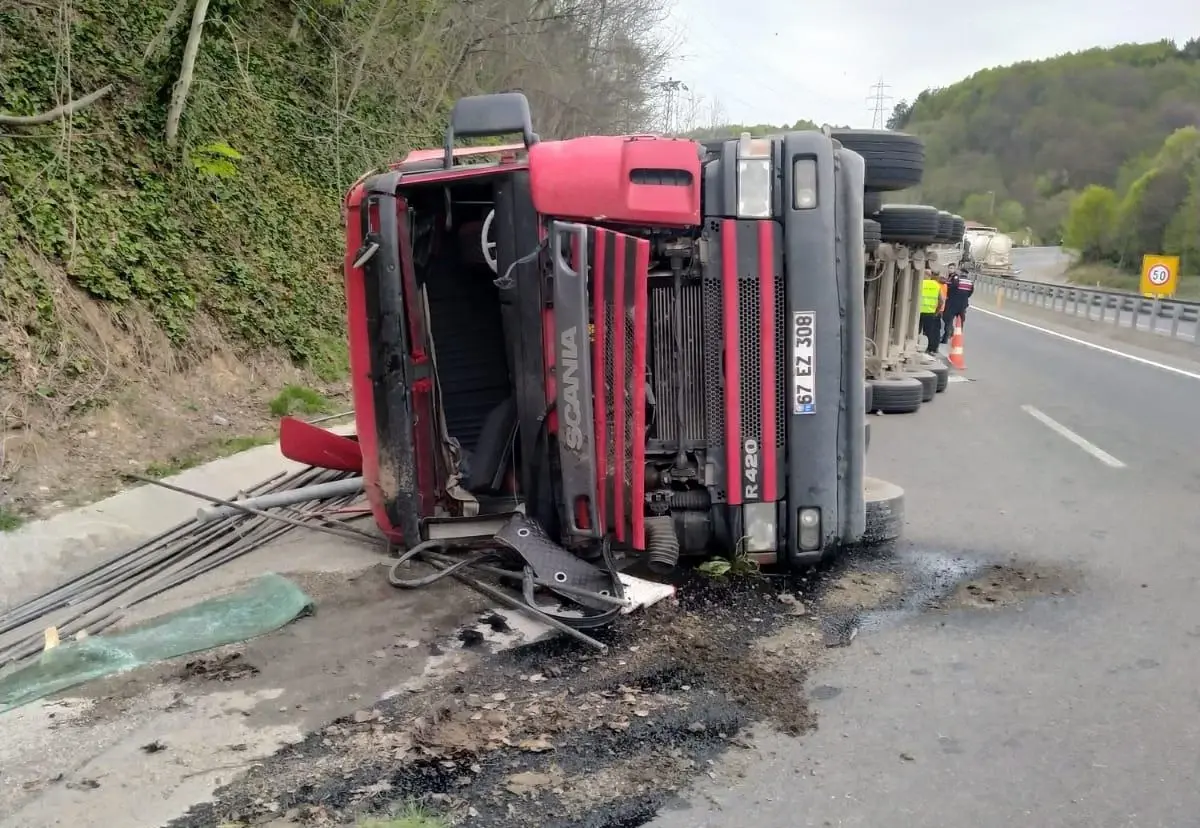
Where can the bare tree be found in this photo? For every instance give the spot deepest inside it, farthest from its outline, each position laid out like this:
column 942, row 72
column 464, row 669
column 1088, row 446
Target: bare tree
column 49, row 116
column 186, row 72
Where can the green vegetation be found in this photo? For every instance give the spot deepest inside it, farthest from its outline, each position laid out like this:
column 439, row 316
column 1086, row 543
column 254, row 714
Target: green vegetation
column 240, row 225
column 296, row 399
column 409, row 815
column 9, row 520
column 1015, row 146
column 716, row 131
column 737, row 565
column 1111, row 277
column 201, row 185
column 213, row 450
column 1156, row 211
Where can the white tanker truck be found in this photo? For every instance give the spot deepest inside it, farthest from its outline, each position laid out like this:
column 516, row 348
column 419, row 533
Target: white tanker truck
column 990, row 249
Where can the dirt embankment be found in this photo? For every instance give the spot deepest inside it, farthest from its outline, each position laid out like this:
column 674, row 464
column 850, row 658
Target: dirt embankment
column 143, row 405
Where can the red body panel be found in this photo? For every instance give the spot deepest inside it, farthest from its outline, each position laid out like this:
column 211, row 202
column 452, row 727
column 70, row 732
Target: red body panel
column 360, row 365
column 733, row 359
column 312, row 445
column 769, row 338
column 619, row 299
column 638, row 391
column 617, row 179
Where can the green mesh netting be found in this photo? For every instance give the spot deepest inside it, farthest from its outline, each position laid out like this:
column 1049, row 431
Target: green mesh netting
column 265, row 605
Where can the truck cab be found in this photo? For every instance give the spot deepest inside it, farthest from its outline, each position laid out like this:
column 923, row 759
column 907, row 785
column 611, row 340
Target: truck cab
column 636, row 342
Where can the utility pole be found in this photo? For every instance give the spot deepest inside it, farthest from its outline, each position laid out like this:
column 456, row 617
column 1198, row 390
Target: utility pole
column 671, row 89
column 878, row 102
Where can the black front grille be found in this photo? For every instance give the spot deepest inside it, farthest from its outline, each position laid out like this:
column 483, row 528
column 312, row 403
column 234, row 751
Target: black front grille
column 783, row 335
column 750, row 375
column 714, row 379
column 749, row 333
column 677, row 368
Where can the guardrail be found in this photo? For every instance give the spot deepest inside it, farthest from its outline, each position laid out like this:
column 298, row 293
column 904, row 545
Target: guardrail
column 1172, row 318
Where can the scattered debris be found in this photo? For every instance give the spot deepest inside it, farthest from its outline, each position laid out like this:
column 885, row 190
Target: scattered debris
column 225, row 668
column 498, row 623
column 552, row 728
column 84, row 785
column 470, row 637
column 154, row 747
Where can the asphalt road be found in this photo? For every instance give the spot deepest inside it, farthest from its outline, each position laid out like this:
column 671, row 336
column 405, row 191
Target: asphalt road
column 1041, row 264
column 1081, row 710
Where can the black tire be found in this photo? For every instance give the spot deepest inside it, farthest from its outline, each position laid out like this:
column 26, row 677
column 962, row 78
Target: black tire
column 942, row 372
column 897, row 395
column 868, row 396
column 885, row 511
column 872, row 235
column 909, row 224
column 928, row 381
column 945, row 228
column 895, row 161
column 872, row 202
column 866, row 437
column 960, row 227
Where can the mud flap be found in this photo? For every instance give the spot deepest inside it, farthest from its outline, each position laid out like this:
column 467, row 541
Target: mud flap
column 573, row 380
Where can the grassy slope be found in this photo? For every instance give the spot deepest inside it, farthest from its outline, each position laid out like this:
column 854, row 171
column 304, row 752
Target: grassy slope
column 238, row 225
column 176, row 285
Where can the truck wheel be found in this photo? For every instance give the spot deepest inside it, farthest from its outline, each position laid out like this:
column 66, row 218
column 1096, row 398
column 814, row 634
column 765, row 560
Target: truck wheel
column 872, row 202
column 897, row 395
column 928, row 381
column 885, row 511
column 942, row 372
column 945, row 228
column 960, row 227
column 871, row 235
column 868, row 395
column 895, row 161
column 910, row 224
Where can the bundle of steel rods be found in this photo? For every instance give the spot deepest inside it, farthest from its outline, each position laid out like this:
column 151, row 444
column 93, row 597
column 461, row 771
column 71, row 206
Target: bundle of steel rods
column 97, row 599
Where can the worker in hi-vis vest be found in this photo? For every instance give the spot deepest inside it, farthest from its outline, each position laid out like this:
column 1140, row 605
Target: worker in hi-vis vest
column 932, row 304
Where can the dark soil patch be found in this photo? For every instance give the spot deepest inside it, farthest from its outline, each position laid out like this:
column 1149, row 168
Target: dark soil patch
column 1002, row 585
column 228, row 667
column 551, row 735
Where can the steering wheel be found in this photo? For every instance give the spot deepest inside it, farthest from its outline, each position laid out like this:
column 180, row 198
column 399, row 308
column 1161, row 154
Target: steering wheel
column 489, row 247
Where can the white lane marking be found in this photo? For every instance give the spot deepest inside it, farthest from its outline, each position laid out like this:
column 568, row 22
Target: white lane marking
column 957, row 378
column 1113, row 351
column 1062, row 431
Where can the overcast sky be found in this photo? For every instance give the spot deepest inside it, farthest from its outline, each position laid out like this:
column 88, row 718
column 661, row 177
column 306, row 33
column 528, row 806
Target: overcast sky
column 775, row 61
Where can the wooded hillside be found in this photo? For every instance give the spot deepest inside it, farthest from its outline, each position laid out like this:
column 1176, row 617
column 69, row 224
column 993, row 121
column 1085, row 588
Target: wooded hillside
column 1016, row 145
column 171, row 170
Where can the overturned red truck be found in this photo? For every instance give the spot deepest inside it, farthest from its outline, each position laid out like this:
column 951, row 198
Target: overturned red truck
column 640, row 341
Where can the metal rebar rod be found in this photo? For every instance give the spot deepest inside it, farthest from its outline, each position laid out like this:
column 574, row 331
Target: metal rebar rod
column 121, row 559
column 341, row 532
column 318, row 491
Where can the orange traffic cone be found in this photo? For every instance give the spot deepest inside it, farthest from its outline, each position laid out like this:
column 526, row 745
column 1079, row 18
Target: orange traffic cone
column 956, row 346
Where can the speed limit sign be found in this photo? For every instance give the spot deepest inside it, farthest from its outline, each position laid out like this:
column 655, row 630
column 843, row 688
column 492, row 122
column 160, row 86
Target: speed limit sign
column 1160, row 274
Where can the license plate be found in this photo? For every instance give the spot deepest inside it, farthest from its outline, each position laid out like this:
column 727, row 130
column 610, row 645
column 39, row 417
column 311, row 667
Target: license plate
column 804, row 333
